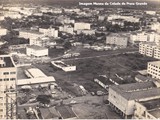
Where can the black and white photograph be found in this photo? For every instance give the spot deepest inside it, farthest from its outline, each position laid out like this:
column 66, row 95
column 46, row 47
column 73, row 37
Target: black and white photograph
column 79, row 59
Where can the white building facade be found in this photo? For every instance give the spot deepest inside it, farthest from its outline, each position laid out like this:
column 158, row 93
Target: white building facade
column 82, row 26
column 28, row 34
column 153, row 69
column 51, row 32
column 36, row 51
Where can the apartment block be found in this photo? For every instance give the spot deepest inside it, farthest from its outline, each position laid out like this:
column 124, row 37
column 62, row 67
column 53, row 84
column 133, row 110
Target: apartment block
column 117, row 39
column 157, row 52
column 153, row 69
column 147, row 48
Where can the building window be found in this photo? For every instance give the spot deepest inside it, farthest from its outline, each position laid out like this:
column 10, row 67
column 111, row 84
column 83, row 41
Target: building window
column 1, row 110
column 12, row 72
column 6, row 73
column 12, row 78
column 6, row 79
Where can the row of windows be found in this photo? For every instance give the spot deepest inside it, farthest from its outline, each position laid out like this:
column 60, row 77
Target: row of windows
column 154, row 66
column 154, row 73
column 7, row 79
column 7, row 73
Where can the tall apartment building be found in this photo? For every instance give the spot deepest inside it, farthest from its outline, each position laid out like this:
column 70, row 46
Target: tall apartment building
column 117, row 39
column 153, row 69
column 8, row 78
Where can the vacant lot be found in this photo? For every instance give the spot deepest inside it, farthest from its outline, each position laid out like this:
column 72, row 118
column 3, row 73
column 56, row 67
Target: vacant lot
column 125, row 65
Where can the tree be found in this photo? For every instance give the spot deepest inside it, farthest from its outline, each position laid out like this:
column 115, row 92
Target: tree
column 67, row 45
column 44, row 99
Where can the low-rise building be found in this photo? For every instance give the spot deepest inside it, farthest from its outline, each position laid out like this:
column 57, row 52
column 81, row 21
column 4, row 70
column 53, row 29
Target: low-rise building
column 30, row 34
column 117, row 39
column 149, row 109
column 82, row 26
column 13, row 15
column 122, row 98
column 8, row 78
column 36, row 51
column 42, row 42
column 67, row 29
column 3, row 31
column 157, row 52
column 51, row 32
column 149, row 12
column 63, row 66
column 86, row 32
column 126, row 18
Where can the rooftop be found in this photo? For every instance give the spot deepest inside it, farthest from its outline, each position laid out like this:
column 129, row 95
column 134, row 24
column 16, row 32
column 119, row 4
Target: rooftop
column 149, row 43
column 151, row 104
column 35, row 47
column 31, row 31
column 137, row 90
column 30, row 81
column 104, row 80
column 142, row 78
column 35, row 72
column 116, row 35
column 155, row 113
column 6, row 61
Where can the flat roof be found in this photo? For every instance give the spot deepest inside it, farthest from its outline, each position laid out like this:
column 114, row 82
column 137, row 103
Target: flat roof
column 36, row 73
column 156, row 63
column 137, row 90
column 6, row 61
column 149, row 43
column 104, row 80
column 30, row 81
column 142, row 78
column 151, row 104
column 155, row 112
column 35, row 47
column 31, row 31
column 116, row 35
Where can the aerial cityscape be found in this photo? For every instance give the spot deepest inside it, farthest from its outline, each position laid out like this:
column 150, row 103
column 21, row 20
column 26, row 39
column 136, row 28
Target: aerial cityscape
column 79, row 59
